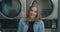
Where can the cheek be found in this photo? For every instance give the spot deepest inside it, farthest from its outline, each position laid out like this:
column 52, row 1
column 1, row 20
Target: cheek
column 35, row 14
column 30, row 12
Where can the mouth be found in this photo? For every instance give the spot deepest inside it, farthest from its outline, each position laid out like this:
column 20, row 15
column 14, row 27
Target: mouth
column 32, row 14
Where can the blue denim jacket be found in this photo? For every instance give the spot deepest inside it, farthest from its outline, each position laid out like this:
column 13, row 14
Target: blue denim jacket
column 23, row 26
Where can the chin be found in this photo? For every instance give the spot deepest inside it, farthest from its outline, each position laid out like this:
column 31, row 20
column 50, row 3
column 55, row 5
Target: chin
column 32, row 17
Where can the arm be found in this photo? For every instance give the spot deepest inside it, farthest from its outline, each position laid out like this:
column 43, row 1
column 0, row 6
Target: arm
column 20, row 26
column 42, row 29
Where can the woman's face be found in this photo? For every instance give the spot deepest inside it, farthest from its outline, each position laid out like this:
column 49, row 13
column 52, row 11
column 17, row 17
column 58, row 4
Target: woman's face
column 33, row 12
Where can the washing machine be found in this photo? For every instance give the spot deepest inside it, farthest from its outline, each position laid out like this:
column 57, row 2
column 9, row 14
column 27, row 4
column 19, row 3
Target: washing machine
column 10, row 12
column 54, row 13
column 12, row 9
column 49, row 9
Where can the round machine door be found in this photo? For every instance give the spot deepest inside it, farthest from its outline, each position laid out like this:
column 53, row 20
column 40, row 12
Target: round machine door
column 11, row 8
column 46, row 7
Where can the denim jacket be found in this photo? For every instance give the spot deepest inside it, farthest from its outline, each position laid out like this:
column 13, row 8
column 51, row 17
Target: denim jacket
column 23, row 26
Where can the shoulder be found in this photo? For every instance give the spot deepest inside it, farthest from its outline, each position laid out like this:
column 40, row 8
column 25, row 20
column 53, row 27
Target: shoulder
column 41, row 21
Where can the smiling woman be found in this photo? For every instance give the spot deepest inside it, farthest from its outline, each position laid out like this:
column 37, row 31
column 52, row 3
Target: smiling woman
column 11, row 8
column 33, row 21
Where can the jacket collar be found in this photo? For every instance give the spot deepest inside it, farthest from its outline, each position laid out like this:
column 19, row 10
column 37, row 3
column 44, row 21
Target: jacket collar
column 28, row 23
column 34, row 23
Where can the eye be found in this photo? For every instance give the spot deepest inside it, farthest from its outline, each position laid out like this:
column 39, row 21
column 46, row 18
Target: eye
column 31, row 10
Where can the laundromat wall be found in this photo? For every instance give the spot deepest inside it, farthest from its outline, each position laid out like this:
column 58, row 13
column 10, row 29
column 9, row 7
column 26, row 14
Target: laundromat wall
column 8, row 24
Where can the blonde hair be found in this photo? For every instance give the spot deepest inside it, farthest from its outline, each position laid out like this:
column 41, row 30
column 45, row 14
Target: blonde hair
column 38, row 16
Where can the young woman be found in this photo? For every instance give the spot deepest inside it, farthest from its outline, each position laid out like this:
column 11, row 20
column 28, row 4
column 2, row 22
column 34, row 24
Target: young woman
column 33, row 22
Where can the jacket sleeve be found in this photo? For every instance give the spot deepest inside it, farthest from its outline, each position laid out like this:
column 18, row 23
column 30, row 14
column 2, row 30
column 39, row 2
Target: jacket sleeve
column 42, row 29
column 20, row 26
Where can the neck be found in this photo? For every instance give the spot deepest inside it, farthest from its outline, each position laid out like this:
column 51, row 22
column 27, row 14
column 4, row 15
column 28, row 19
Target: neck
column 31, row 19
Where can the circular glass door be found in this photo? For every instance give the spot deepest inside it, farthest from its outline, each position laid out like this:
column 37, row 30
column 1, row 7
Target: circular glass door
column 11, row 8
column 46, row 7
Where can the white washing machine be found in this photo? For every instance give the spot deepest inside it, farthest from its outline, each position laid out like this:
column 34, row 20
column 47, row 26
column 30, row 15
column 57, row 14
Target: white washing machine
column 12, row 9
column 54, row 13
column 50, row 8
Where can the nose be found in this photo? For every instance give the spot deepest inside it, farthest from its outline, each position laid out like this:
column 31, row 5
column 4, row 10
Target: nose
column 32, row 12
